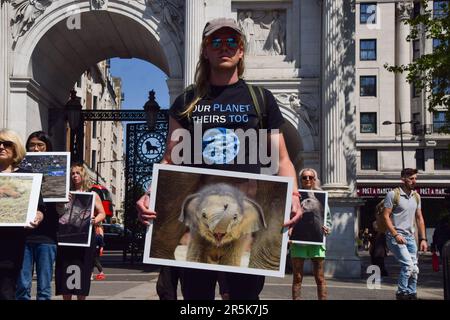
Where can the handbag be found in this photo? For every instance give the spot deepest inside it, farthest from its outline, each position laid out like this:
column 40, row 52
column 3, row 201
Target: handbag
column 435, row 261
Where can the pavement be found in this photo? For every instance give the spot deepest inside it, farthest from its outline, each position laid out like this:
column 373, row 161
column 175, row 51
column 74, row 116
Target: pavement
column 125, row 281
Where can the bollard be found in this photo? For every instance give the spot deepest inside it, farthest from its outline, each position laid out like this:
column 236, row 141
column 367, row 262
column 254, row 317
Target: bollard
column 446, row 269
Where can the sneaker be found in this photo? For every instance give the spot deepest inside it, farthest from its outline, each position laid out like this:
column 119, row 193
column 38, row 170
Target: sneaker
column 402, row 296
column 100, row 276
column 412, row 296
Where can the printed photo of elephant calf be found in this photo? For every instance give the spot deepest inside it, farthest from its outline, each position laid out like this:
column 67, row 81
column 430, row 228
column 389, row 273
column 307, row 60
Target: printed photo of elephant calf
column 221, row 220
column 212, row 220
column 309, row 229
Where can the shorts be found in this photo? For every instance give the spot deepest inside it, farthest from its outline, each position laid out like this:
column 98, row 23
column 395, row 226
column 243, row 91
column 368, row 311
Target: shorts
column 307, row 251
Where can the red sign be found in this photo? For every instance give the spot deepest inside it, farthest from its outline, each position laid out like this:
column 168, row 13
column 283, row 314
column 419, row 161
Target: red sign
column 425, row 192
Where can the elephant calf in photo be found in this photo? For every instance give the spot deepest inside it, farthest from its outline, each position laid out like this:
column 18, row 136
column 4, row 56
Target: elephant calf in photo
column 309, row 228
column 220, row 218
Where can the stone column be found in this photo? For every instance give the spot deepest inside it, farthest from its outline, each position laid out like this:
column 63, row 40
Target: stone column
column 338, row 166
column 4, row 62
column 194, row 23
column 334, row 96
column 402, row 57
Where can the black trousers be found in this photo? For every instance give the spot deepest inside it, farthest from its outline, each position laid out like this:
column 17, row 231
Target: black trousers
column 201, row 285
column 167, row 284
column 8, row 279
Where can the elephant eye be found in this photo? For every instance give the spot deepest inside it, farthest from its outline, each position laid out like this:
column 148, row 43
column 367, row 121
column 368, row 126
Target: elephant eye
column 235, row 216
column 204, row 215
column 225, row 207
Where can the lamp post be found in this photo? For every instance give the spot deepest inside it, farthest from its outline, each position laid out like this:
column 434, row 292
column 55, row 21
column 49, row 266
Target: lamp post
column 151, row 109
column 401, row 123
column 98, row 164
column 72, row 110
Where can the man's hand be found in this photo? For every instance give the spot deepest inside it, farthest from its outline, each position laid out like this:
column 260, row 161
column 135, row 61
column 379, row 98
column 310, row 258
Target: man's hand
column 423, row 246
column 145, row 215
column 296, row 212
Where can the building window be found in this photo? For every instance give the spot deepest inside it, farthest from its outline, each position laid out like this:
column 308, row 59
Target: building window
column 114, row 139
column 95, row 102
column 369, row 159
column 368, row 49
column 441, row 159
column 368, row 13
column 439, row 120
column 93, row 159
column 113, row 172
column 416, row 9
column 94, row 129
column 368, row 122
column 439, row 8
column 113, row 190
column 420, row 159
column 114, row 155
column 416, row 50
column 416, row 91
column 368, row 86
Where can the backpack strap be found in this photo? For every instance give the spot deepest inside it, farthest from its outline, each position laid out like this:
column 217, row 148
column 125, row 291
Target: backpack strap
column 396, row 198
column 417, row 196
column 259, row 101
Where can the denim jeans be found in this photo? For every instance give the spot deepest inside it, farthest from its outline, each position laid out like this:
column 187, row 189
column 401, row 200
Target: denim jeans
column 406, row 255
column 43, row 256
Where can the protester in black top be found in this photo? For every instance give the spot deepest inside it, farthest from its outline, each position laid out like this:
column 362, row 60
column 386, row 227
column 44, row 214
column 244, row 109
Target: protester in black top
column 220, row 106
column 12, row 239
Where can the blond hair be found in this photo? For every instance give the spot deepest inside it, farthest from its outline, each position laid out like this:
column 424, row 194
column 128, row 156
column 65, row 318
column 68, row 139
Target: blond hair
column 85, row 185
column 19, row 149
column 202, row 75
column 316, row 183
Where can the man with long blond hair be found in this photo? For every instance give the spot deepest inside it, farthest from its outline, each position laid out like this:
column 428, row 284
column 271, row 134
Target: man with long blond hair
column 219, row 103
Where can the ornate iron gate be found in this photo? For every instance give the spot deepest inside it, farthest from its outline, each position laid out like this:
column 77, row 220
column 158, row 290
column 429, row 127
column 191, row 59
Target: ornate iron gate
column 144, row 148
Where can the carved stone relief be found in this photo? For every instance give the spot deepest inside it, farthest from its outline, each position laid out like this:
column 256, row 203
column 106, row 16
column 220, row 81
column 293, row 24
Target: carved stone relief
column 265, row 31
column 99, row 4
column 170, row 12
column 25, row 14
column 306, row 107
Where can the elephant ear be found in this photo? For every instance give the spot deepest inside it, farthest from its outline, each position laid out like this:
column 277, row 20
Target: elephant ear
column 188, row 209
column 253, row 217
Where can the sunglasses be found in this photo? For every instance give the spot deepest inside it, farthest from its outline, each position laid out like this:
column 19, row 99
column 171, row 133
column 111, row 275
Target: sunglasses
column 7, row 144
column 308, row 178
column 217, row 43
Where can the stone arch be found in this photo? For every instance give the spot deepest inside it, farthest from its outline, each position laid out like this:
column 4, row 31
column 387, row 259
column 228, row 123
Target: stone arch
column 299, row 139
column 49, row 58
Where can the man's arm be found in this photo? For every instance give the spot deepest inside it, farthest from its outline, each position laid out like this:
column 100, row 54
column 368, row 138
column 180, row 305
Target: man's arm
column 423, row 246
column 390, row 227
column 286, row 169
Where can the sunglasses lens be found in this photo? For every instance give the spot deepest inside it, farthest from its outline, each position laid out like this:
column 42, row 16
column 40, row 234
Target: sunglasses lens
column 6, row 144
column 232, row 43
column 216, row 43
column 307, row 178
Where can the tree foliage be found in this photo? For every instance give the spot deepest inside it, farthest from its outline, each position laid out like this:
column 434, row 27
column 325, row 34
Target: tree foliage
column 431, row 71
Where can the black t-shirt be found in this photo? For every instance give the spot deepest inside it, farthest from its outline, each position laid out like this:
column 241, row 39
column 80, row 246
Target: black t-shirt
column 12, row 240
column 224, row 111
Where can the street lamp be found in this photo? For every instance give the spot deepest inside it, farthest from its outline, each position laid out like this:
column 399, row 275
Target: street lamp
column 98, row 164
column 73, row 110
column 151, row 108
column 401, row 123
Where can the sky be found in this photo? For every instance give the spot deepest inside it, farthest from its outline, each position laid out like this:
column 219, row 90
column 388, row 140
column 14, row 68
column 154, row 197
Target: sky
column 138, row 78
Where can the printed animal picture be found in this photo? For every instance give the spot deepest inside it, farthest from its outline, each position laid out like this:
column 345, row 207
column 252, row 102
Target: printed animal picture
column 19, row 198
column 309, row 229
column 75, row 226
column 208, row 219
column 55, row 169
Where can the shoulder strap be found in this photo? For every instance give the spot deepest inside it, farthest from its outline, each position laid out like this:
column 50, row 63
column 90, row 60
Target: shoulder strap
column 259, row 101
column 396, row 198
column 417, row 196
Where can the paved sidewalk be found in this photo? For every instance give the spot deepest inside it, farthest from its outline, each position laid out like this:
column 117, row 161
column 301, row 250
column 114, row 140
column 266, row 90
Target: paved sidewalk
column 138, row 282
